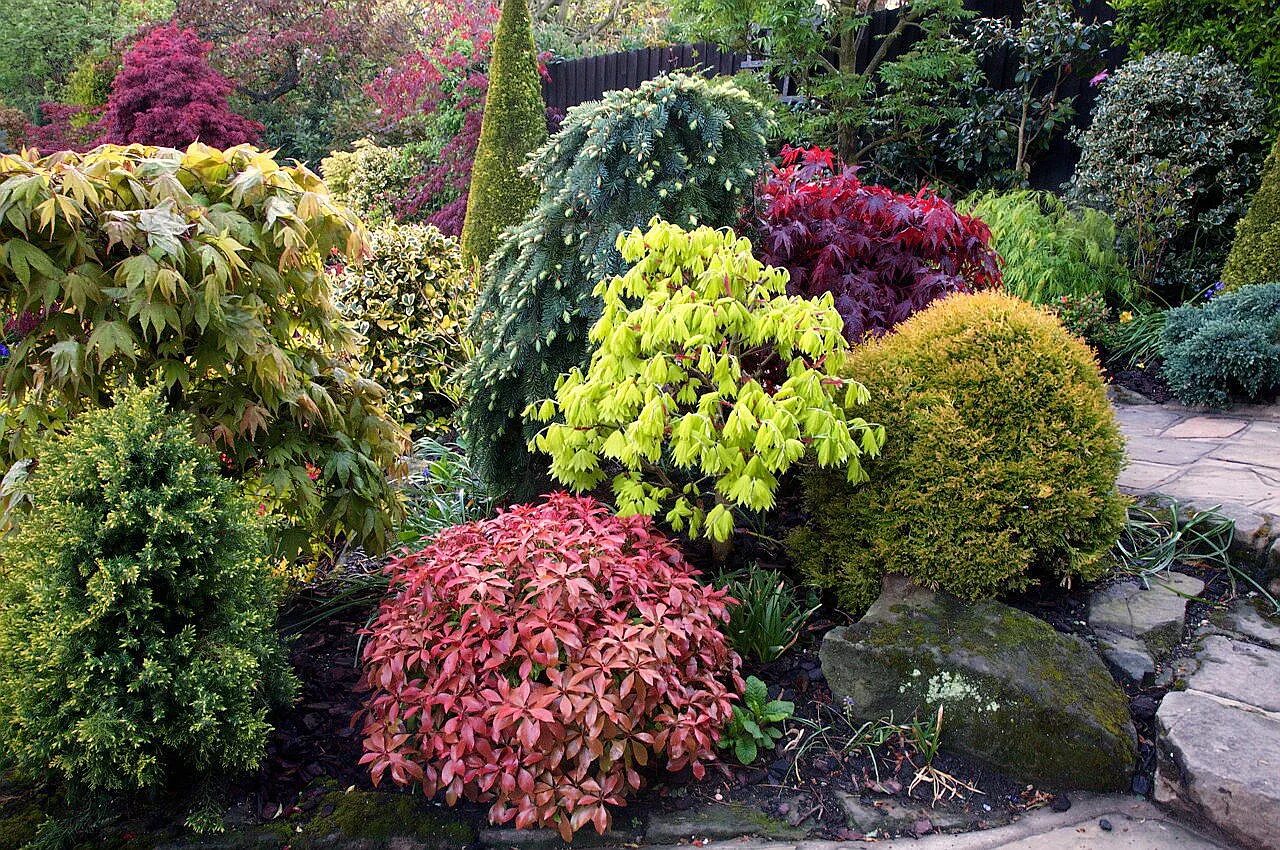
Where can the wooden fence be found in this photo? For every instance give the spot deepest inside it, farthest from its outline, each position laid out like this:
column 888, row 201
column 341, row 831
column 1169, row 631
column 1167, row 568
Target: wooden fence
column 577, row 81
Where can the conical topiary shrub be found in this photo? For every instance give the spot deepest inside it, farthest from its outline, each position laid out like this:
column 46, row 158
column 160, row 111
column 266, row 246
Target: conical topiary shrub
column 515, row 124
column 1255, row 253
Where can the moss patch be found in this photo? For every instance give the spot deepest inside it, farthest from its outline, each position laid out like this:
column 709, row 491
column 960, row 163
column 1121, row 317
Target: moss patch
column 376, row 818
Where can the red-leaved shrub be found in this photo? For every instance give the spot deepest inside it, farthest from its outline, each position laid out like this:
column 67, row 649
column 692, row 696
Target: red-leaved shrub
column 881, row 255
column 541, row 660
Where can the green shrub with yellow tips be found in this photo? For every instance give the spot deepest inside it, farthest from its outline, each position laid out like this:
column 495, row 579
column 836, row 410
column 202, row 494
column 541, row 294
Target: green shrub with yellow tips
column 708, row 384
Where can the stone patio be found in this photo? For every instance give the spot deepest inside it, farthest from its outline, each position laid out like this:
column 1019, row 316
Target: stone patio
column 1229, row 458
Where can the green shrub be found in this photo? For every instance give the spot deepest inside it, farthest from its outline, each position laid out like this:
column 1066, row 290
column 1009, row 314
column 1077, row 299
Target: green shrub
column 768, row 616
column 202, row 271
column 514, row 125
column 410, row 301
column 709, row 384
column 1255, row 253
column 1085, row 317
column 1173, row 155
column 369, row 179
column 137, row 642
column 1051, row 250
column 683, row 148
column 1001, row 463
column 1226, row 349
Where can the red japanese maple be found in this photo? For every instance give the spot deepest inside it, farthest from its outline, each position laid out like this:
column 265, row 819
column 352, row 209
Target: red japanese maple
column 881, row 255
column 167, row 94
column 540, row 661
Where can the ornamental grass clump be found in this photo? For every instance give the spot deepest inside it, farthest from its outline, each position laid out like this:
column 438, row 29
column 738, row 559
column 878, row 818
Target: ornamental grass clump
column 203, row 271
column 137, row 639
column 541, row 660
column 1000, row 469
column 708, row 384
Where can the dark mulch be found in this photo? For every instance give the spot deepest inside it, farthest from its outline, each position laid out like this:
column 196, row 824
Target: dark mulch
column 1147, row 380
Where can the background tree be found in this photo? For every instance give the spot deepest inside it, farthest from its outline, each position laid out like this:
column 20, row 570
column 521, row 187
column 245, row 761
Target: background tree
column 167, row 94
column 514, row 125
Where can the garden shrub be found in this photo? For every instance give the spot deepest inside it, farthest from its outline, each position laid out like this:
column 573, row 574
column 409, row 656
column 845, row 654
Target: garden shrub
column 371, row 180
column 681, row 147
column 881, row 255
column 540, row 660
column 1000, row 468
column 137, row 639
column 410, row 300
column 514, row 125
column 1255, row 253
column 1050, row 250
column 1226, row 349
column 708, row 385
column 1086, row 317
column 1173, row 155
column 202, row 271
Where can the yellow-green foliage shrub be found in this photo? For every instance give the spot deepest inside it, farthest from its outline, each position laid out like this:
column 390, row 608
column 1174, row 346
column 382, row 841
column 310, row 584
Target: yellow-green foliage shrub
column 369, row 179
column 1255, row 253
column 708, row 384
column 1001, row 463
column 411, row 301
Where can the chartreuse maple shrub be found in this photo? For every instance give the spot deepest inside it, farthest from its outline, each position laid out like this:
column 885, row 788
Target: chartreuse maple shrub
column 882, row 256
column 202, row 271
column 410, row 301
column 1000, row 468
column 137, row 639
column 708, row 384
column 1255, row 253
column 680, row 147
column 541, row 660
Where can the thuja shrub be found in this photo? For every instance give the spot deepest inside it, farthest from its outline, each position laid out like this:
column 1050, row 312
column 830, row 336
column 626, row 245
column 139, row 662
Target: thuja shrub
column 1255, row 253
column 137, row 639
column 1226, row 350
column 1001, row 465
column 881, row 255
column 682, row 148
column 202, row 271
column 540, row 660
column 708, row 384
column 410, row 301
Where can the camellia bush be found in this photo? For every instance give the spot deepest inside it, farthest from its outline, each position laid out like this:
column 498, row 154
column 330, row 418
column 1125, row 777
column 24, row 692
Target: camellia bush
column 1225, row 350
column 1255, row 253
column 682, row 148
column 410, row 301
column 882, row 256
column 204, row 272
column 539, row 661
column 707, row 386
column 137, row 633
column 1001, row 466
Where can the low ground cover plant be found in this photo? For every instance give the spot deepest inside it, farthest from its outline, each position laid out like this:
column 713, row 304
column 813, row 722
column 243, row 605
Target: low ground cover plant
column 708, row 384
column 1225, row 350
column 538, row 661
column 756, row 725
column 981, row 489
column 881, row 255
column 203, row 271
column 137, row 640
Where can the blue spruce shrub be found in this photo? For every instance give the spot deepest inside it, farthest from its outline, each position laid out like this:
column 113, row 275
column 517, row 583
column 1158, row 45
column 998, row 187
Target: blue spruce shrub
column 1225, row 350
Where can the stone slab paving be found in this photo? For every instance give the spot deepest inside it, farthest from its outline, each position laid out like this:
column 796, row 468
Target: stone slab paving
column 1229, row 458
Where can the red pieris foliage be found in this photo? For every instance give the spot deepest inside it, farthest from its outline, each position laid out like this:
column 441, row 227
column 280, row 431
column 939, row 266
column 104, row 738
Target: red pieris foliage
column 540, row 661
column 881, row 255
column 168, row 94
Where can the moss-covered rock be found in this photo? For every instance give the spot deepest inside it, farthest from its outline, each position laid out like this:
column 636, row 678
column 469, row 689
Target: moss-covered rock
column 1030, row 702
column 370, row 820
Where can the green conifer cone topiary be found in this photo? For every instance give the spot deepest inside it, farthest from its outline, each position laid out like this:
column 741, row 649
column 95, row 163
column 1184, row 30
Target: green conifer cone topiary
column 515, row 124
column 1255, row 253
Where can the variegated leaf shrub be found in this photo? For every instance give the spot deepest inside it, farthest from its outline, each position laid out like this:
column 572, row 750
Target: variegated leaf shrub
column 542, row 660
column 708, row 383
column 202, row 271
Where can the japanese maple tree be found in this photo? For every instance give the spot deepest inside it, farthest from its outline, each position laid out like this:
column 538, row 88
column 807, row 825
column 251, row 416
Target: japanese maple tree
column 168, row 94
column 540, row 660
column 882, row 255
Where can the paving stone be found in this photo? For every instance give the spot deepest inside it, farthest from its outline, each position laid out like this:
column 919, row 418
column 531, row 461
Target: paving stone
column 1240, row 671
column 1257, row 445
column 1148, row 421
column 1126, row 656
column 1153, row 615
column 717, row 822
column 893, row 815
column 1221, row 761
column 1209, row 481
column 1245, row 619
column 1205, row 428
column 1140, row 476
column 1156, row 449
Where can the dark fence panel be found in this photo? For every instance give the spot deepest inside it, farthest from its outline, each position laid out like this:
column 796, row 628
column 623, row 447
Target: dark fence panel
column 577, row 81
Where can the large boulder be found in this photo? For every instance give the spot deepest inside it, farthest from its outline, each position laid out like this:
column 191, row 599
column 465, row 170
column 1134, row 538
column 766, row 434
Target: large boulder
column 1035, row 704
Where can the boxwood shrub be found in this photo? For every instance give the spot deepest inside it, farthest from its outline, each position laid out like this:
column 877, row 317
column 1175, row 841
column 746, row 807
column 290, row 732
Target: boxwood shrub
column 1000, row 465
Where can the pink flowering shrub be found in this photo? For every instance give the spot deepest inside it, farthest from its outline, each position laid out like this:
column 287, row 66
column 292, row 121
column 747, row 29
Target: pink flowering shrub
column 541, row 660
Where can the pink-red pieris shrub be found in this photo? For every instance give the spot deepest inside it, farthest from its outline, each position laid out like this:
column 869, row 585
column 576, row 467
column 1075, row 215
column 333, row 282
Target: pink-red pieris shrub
column 543, row 660
column 883, row 256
